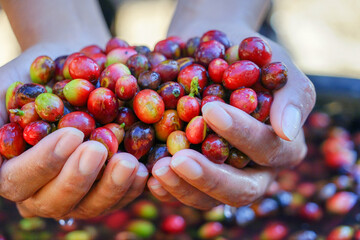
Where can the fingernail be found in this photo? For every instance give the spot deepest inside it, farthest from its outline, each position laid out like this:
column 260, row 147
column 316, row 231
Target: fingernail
column 291, row 121
column 142, row 171
column 122, row 171
column 91, row 159
column 170, row 179
column 216, row 115
column 159, row 190
column 188, row 167
column 65, row 146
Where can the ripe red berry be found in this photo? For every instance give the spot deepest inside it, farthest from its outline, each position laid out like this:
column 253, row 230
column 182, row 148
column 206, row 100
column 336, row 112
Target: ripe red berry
column 85, row 68
column 215, row 148
column 210, row 98
column 196, row 130
column 49, row 107
column 77, row 92
column 25, row 115
column 194, row 72
column 188, row 108
column 12, row 142
column 126, row 87
column 36, row 131
column 168, row 48
column 173, row 224
column 42, row 70
column 177, row 141
column 263, row 107
column 148, row 106
column 274, row 75
column 241, row 74
column 218, row 36
column 107, row 138
column 169, row 123
column 111, row 74
column 244, row 99
column 103, row 105
column 208, row 51
column 168, row 70
column 216, row 69
column 139, row 139
column 256, row 50
column 80, row 120
column 114, row 43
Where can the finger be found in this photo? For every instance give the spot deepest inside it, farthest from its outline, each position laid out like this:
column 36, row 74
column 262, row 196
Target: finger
column 136, row 188
column 293, row 103
column 60, row 196
column 252, row 137
column 118, row 176
column 229, row 185
column 24, row 212
column 158, row 191
column 38, row 165
column 180, row 189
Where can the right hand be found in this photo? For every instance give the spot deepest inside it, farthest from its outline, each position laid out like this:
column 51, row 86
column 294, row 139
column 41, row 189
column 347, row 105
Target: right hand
column 55, row 178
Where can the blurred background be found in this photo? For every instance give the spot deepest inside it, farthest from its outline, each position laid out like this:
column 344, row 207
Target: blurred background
column 323, row 36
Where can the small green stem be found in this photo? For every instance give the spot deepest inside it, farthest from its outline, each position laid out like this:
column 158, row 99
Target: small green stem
column 17, row 112
column 194, row 87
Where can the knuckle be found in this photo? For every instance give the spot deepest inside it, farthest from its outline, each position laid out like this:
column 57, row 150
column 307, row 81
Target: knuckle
column 248, row 196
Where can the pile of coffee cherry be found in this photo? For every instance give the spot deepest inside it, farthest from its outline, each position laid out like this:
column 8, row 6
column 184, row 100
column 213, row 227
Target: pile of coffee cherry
column 147, row 103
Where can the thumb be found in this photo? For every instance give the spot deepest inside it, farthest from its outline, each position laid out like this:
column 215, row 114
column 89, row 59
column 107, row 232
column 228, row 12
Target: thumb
column 292, row 104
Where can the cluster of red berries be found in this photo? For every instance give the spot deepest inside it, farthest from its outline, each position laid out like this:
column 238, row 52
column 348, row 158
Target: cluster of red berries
column 144, row 98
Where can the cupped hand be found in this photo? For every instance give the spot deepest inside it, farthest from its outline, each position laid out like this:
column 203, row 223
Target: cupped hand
column 57, row 177
column 196, row 181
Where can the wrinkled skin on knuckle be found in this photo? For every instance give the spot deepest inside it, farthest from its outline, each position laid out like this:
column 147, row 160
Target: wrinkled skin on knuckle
column 248, row 195
column 11, row 190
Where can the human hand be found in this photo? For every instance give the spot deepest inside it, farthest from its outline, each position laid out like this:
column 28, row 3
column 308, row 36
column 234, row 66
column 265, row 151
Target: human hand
column 56, row 177
column 194, row 180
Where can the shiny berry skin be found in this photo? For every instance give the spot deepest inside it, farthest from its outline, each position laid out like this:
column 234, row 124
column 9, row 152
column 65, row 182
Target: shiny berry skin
column 168, row 48
column 49, row 107
column 232, row 54
column 126, row 87
column 216, row 69
column 36, row 131
column 142, row 49
column 210, row 98
column 171, row 92
column 119, row 55
column 274, row 231
column 157, row 152
column 155, row 58
column 190, row 73
column 27, row 93
column 244, row 99
column 84, row 68
column 67, row 62
column 210, row 230
column 168, row 70
column 177, row 40
column 118, row 131
column 59, row 64
column 196, row 130
column 188, row 108
column 177, row 141
column 111, row 74
column 114, row 43
column 12, row 142
column 311, row 211
column 79, row 120
column 107, row 138
column 25, row 115
column 148, row 106
column 274, row 75
column 191, row 45
column 341, row 232
column 169, row 122
column 103, row 105
column 77, row 92
column 237, row 159
column 256, row 50
column 139, row 139
column 184, row 62
column 218, row 36
column 126, row 116
column 42, row 70
column 10, row 97
column 214, row 90
column 149, row 80
column 58, row 88
column 208, row 51
column 100, row 59
column 91, row 50
column 173, row 224
column 137, row 64
column 341, row 202
column 215, row 148
column 241, row 74
column 262, row 111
